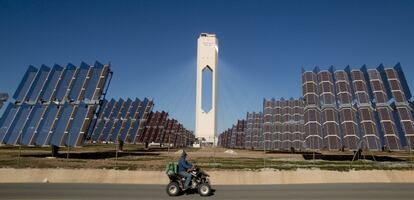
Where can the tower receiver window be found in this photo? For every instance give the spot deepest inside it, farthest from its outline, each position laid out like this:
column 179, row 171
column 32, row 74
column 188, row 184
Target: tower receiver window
column 207, row 89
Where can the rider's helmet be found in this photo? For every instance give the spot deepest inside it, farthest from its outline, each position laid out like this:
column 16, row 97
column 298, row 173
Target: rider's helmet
column 183, row 153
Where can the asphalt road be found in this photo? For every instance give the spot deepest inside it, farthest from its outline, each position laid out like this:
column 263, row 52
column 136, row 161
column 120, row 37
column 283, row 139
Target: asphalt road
column 119, row 192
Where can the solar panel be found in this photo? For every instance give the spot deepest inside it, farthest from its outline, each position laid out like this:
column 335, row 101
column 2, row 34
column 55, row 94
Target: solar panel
column 24, row 86
column 65, row 82
column 313, row 129
column 240, row 128
column 326, row 88
column 398, row 90
column 280, row 125
column 17, row 126
column 394, row 85
column 78, row 83
column 80, row 122
column 268, row 122
column 254, row 130
column 349, row 127
column 120, row 120
column 134, row 131
column 38, row 84
column 310, row 92
column 168, row 131
column 96, row 81
column 134, row 108
column 126, row 129
column 277, row 125
column 407, row 125
column 249, row 129
column 115, row 136
column 46, row 127
column 62, row 125
column 32, row 124
column 106, row 132
column 48, row 90
column 348, row 109
column 232, row 137
column 49, row 107
column 7, row 120
column 174, row 132
column 331, row 128
column 377, row 86
column 99, row 127
column 365, row 109
column 154, row 127
column 113, row 119
column 312, row 116
column 360, row 88
column 388, row 128
column 142, row 114
column 330, row 120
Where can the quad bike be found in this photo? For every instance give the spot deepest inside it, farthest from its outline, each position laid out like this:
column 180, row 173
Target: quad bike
column 199, row 181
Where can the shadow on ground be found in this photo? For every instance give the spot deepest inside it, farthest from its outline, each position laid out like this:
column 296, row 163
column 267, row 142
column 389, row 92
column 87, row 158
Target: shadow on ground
column 194, row 192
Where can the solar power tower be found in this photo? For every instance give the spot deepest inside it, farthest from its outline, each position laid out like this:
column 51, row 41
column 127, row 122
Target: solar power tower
column 207, row 62
column 3, row 98
column 54, row 106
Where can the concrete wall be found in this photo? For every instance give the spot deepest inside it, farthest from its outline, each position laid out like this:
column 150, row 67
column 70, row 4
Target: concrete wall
column 9, row 175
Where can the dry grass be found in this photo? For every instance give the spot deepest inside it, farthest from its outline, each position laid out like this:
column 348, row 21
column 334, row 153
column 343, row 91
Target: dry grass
column 134, row 157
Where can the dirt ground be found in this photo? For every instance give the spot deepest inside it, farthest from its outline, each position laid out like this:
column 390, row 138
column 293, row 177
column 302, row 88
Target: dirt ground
column 135, row 157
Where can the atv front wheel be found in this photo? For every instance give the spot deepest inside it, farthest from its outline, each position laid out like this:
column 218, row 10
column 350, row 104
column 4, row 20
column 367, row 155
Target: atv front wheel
column 173, row 189
column 204, row 189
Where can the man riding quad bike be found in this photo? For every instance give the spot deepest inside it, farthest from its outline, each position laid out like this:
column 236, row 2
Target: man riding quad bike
column 184, row 176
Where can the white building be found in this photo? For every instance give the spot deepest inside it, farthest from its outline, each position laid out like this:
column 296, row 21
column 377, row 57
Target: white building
column 206, row 119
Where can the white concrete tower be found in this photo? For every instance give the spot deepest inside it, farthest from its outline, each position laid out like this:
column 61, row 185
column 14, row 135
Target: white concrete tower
column 207, row 57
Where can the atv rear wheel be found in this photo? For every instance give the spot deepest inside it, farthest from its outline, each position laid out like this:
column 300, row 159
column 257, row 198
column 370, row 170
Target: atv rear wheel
column 173, row 189
column 204, row 189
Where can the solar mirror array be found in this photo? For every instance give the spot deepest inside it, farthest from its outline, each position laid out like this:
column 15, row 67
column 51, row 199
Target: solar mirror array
column 121, row 120
column 283, row 124
column 176, row 134
column 234, row 137
column 341, row 109
column 54, row 106
column 279, row 127
column 253, row 131
column 133, row 121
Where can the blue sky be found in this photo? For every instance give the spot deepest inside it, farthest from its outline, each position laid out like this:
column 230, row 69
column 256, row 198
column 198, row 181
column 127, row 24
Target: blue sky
column 152, row 45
